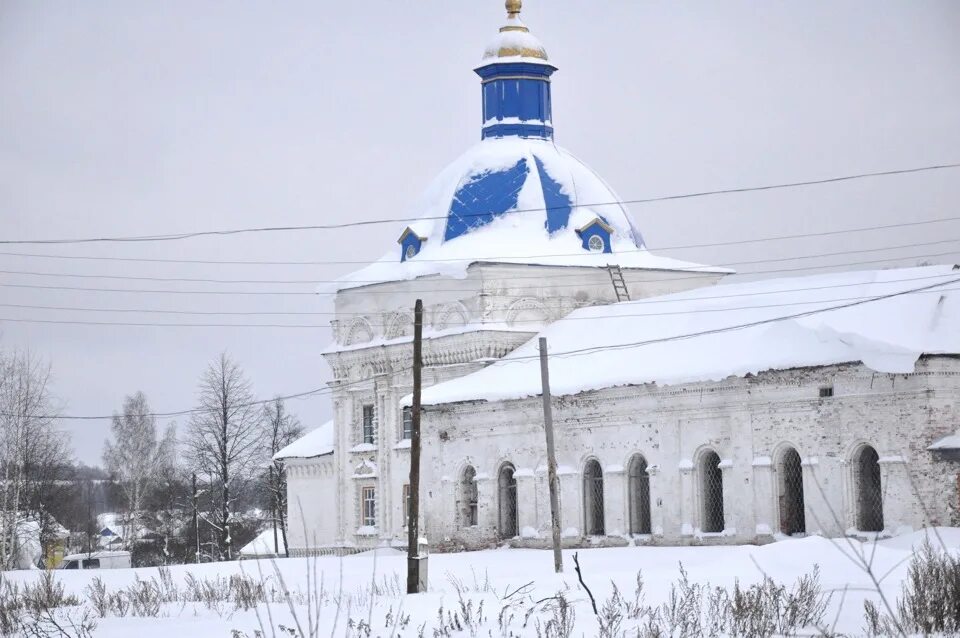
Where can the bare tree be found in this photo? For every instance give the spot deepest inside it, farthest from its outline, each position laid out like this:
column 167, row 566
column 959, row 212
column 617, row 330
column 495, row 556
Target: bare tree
column 226, row 439
column 282, row 430
column 136, row 457
column 32, row 451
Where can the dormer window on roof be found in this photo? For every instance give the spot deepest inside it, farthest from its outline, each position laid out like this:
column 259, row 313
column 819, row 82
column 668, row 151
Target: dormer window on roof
column 410, row 244
column 595, row 235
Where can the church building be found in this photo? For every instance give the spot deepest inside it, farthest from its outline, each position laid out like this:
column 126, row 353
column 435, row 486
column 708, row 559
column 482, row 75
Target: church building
column 687, row 410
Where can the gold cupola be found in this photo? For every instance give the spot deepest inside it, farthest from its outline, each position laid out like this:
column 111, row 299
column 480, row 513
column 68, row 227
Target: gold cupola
column 514, row 39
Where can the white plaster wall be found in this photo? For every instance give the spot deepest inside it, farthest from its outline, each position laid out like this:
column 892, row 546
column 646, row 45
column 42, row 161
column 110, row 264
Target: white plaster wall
column 371, row 362
column 748, row 422
column 311, row 508
column 524, row 296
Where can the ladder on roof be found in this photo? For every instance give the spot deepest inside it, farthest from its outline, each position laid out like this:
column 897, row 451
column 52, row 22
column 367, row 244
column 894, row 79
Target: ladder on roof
column 619, row 284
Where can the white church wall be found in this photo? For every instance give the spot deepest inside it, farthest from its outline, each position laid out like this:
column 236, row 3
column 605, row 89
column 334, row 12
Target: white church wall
column 520, row 295
column 311, row 508
column 747, row 422
column 373, row 366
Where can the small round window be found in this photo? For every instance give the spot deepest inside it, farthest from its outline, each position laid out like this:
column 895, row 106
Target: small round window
column 596, row 244
column 411, row 251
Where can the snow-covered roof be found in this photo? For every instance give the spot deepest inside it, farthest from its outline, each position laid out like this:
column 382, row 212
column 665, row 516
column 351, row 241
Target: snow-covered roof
column 734, row 329
column 514, row 40
column 318, row 442
column 951, row 442
column 514, row 43
column 514, row 200
column 100, row 554
column 110, row 521
column 263, row 545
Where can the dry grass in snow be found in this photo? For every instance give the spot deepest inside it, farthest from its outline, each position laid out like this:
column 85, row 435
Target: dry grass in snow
column 810, row 586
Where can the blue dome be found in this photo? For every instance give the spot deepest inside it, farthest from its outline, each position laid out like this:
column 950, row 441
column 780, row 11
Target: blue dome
column 516, row 197
column 520, row 181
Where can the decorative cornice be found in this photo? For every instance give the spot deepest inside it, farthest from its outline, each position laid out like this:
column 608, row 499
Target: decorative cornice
column 461, row 348
column 539, row 78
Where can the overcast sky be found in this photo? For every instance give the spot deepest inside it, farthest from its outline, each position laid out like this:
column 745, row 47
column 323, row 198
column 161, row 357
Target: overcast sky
column 134, row 118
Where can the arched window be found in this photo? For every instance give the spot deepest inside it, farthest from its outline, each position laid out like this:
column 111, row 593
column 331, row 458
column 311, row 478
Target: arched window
column 790, row 493
column 638, row 495
column 593, row 498
column 868, row 489
column 711, row 493
column 468, row 497
column 507, row 488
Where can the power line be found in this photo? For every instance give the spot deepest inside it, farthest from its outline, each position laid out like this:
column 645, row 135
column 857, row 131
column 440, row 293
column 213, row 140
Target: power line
column 160, row 311
column 694, row 274
column 638, row 302
column 338, row 262
column 324, row 390
column 238, row 231
column 166, row 292
column 32, row 273
column 479, row 323
column 567, row 353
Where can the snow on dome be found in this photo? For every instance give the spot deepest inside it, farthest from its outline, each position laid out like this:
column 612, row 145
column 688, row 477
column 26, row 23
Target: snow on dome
column 709, row 334
column 318, row 442
column 514, row 39
column 515, row 200
column 515, row 197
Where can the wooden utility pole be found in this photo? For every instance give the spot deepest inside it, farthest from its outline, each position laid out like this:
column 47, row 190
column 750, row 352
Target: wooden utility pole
column 196, row 520
column 273, row 510
column 415, row 562
column 551, row 458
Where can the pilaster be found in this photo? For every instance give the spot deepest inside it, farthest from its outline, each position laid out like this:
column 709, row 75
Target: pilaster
column 487, row 503
column 658, row 487
column 765, row 505
column 897, row 494
column 526, row 500
column 689, row 519
column 729, row 497
column 615, row 501
column 571, row 504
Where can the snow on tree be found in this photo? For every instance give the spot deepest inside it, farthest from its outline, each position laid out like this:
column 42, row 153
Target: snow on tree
column 32, row 452
column 137, row 458
column 226, row 439
column 282, row 430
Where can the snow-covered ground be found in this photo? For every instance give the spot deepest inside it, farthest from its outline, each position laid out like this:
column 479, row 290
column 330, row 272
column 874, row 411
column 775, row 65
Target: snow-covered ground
column 500, row 577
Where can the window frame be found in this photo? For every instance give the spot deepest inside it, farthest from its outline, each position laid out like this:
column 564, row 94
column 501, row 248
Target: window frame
column 602, row 246
column 713, row 506
column 638, row 496
column 368, row 506
column 469, row 498
column 368, row 428
column 406, row 423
